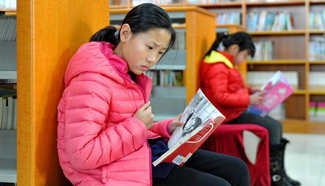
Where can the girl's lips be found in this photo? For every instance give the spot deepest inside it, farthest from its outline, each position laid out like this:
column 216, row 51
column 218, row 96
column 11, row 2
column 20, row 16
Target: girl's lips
column 145, row 68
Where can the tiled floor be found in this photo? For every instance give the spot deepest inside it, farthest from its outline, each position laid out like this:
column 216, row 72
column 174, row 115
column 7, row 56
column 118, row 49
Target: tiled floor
column 305, row 158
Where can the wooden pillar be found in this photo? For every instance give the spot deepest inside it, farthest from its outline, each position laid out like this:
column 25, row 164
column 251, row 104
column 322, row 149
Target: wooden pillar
column 48, row 33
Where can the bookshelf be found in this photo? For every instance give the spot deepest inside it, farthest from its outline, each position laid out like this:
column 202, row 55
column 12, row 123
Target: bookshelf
column 8, row 79
column 195, row 33
column 291, row 52
column 48, row 34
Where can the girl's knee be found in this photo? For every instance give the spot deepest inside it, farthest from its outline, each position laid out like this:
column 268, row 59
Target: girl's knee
column 241, row 166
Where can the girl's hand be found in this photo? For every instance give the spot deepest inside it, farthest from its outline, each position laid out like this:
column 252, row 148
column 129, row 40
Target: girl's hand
column 175, row 123
column 256, row 98
column 255, row 90
column 145, row 115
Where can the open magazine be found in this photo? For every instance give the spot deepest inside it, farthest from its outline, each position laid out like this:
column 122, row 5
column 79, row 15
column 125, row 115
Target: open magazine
column 277, row 89
column 200, row 119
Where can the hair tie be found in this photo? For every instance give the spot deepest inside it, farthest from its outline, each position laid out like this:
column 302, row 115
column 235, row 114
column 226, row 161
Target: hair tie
column 116, row 34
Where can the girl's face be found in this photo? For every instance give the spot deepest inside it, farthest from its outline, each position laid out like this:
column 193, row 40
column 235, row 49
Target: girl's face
column 239, row 56
column 144, row 49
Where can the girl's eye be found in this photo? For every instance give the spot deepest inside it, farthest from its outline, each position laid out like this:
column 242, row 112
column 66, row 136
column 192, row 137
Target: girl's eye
column 161, row 53
column 150, row 47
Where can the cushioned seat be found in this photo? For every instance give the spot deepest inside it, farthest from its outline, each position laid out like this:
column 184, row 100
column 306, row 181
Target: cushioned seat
column 248, row 142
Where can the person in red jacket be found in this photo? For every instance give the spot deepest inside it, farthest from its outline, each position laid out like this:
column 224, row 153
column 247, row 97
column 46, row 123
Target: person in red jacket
column 222, row 83
column 106, row 135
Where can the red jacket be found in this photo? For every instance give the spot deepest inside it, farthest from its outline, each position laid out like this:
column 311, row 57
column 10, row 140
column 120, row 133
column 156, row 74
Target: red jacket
column 222, row 83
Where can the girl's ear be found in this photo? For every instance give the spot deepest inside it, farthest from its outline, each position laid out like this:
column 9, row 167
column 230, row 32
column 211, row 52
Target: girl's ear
column 125, row 32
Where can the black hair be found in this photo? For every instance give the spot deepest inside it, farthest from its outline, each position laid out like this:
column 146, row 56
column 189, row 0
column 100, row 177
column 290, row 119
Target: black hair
column 141, row 18
column 242, row 39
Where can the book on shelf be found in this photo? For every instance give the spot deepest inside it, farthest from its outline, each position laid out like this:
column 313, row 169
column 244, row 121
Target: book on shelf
column 200, row 119
column 4, row 118
column 276, row 89
column 264, row 50
column 166, row 78
column 317, row 48
column 7, row 109
column 317, row 20
column 317, row 111
column 314, row 80
column 269, row 21
column 229, row 18
column 10, row 113
column 15, row 114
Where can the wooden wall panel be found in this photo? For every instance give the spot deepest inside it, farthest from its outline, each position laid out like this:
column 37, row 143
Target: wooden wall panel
column 48, row 33
column 200, row 33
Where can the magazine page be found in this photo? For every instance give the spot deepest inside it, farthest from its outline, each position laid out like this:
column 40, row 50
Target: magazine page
column 277, row 89
column 200, row 120
column 199, row 110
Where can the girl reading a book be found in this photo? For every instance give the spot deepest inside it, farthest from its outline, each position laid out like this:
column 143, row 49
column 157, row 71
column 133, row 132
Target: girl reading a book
column 106, row 133
column 223, row 85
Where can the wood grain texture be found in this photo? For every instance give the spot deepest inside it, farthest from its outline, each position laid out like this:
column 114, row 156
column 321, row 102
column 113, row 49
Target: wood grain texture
column 200, row 34
column 48, row 33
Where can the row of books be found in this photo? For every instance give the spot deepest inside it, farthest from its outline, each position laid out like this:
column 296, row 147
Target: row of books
column 264, row 50
column 229, row 18
column 8, row 116
column 7, row 28
column 256, row 78
column 269, row 21
column 317, row 20
column 8, row 4
column 314, row 80
column 317, row 111
column 166, row 77
column 317, row 48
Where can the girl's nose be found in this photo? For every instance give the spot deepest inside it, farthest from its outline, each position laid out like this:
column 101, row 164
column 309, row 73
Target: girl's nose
column 151, row 58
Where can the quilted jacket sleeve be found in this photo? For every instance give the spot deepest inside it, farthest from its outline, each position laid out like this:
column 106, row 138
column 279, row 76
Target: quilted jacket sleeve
column 218, row 85
column 161, row 128
column 88, row 143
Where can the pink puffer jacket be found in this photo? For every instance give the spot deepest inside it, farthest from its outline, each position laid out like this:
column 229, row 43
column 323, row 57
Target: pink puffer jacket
column 99, row 141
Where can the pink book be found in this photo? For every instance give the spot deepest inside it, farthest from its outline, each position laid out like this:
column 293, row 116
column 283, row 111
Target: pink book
column 277, row 90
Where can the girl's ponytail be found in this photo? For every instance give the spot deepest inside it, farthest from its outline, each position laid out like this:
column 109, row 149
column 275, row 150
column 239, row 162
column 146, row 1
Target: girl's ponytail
column 220, row 38
column 109, row 34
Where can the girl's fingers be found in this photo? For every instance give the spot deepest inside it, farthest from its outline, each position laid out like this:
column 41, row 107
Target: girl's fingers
column 145, row 106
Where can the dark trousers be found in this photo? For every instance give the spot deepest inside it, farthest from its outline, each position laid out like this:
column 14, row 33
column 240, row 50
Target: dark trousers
column 207, row 168
column 273, row 126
